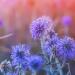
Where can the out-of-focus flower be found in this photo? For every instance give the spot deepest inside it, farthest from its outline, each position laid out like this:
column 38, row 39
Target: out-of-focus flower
column 5, row 66
column 36, row 62
column 19, row 54
column 66, row 20
column 66, row 48
column 39, row 25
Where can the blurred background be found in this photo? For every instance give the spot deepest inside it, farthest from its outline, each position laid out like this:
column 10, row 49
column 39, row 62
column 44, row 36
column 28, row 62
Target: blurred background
column 16, row 16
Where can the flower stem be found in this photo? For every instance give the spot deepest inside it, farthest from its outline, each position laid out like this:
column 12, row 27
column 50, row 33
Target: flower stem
column 69, row 72
column 34, row 73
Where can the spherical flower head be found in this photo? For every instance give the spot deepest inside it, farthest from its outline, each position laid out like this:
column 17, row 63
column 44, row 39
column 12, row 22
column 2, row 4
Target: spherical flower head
column 66, row 20
column 39, row 25
column 19, row 54
column 66, row 48
column 49, row 44
column 35, row 62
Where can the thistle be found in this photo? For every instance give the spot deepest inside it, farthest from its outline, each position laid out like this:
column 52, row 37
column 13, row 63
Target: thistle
column 19, row 56
column 39, row 25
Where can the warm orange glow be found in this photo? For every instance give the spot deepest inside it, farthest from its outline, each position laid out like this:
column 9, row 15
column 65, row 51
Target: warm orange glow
column 17, row 14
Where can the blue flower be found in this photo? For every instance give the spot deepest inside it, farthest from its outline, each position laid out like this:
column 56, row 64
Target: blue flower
column 49, row 34
column 50, row 43
column 39, row 25
column 66, row 20
column 19, row 54
column 36, row 62
column 66, row 48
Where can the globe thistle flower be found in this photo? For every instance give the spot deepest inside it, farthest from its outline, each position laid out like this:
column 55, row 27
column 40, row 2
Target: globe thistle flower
column 19, row 54
column 50, row 44
column 39, row 25
column 66, row 48
column 35, row 62
column 66, row 20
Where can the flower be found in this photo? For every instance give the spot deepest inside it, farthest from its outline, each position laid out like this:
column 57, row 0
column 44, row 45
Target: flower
column 35, row 62
column 66, row 20
column 50, row 44
column 49, row 34
column 19, row 54
column 39, row 25
column 66, row 48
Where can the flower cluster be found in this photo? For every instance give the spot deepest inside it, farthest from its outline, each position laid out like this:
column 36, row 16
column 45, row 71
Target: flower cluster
column 22, row 58
column 50, row 41
column 53, row 48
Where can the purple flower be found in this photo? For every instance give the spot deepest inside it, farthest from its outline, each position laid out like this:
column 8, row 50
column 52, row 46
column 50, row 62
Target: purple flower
column 49, row 34
column 66, row 20
column 66, row 48
column 19, row 54
column 39, row 25
column 50, row 43
column 35, row 62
